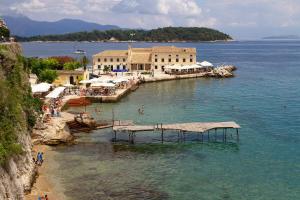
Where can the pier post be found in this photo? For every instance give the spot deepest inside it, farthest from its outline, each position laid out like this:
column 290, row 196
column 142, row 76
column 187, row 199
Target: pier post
column 115, row 139
column 225, row 134
column 162, row 133
column 113, row 117
column 208, row 135
column 237, row 135
column 215, row 134
column 202, row 136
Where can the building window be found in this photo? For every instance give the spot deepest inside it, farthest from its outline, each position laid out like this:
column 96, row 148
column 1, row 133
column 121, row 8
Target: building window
column 118, row 67
column 162, row 60
column 155, row 66
column 118, row 60
column 124, row 59
column 191, row 60
column 124, row 67
column 99, row 66
column 163, row 68
column 183, row 60
column 155, row 55
column 99, row 60
column 170, row 60
column 155, row 60
column 105, row 59
column 177, row 60
column 111, row 60
column 111, row 67
column 169, row 55
column 191, row 55
column 177, row 55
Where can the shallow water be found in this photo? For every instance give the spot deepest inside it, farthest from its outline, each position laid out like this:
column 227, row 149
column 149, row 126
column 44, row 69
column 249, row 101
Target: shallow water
column 263, row 98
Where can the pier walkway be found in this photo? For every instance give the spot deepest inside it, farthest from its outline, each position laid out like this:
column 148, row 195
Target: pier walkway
column 181, row 128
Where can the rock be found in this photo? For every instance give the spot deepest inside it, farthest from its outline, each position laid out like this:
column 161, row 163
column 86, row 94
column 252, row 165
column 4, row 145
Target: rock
column 87, row 120
column 56, row 132
column 222, row 71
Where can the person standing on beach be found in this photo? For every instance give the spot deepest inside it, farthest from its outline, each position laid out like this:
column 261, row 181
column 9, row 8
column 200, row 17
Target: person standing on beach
column 37, row 158
column 41, row 157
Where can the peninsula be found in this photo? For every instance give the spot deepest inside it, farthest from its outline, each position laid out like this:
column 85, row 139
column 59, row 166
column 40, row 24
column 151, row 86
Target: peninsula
column 167, row 34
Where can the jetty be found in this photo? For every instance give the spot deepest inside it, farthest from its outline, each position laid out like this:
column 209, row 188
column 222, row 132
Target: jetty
column 181, row 128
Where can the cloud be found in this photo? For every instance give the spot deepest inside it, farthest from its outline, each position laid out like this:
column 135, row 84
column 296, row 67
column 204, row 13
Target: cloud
column 237, row 17
column 159, row 7
column 29, row 6
column 49, row 7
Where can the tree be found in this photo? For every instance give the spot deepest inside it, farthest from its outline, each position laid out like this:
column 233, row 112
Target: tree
column 72, row 65
column 50, row 63
column 106, row 69
column 48, row 75
column 84, row 61
column 62, row 60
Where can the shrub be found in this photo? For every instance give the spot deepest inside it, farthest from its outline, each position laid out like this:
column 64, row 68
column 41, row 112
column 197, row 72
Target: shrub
column 72, row 65
column 48, row 75
column 4, row 32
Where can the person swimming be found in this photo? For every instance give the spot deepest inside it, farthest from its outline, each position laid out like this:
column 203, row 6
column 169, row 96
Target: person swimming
column 141, row 110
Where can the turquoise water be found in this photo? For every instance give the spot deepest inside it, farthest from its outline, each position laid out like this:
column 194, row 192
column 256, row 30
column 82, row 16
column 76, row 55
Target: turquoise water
column 263, row 98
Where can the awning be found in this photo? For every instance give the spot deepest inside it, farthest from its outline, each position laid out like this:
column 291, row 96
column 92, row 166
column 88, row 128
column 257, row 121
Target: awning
column 184, row 67
column 206, row 64
column 56, row 93
column 173, row 67
column 120, row 80
column 85, row 81
column 41, row 87
column 103, row 85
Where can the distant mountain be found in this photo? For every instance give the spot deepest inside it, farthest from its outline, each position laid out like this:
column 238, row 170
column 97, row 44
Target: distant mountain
column 283, row 37
column 26, row 27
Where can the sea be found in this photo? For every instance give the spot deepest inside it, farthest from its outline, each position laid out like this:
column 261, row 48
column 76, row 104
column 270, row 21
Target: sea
column 263, row 98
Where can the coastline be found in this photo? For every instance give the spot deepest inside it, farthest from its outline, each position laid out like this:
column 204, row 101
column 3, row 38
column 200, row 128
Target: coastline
column 86, row 41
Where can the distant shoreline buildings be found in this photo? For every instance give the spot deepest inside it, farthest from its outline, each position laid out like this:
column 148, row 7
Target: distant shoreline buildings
column 143, row 59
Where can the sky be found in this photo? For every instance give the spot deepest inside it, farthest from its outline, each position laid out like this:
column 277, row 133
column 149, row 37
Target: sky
column 242, row 19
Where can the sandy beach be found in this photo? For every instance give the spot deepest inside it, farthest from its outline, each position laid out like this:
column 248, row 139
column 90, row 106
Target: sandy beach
column 43, row 184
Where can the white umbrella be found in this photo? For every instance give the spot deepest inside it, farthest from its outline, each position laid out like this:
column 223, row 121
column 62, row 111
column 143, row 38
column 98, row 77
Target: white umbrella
column 120, row 80
column 206, row 64
column 41, row 87
column 68, row 85
column 85, row 81
column 55, row 93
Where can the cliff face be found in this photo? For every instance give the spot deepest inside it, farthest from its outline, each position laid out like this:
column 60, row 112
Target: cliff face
column 17, row 169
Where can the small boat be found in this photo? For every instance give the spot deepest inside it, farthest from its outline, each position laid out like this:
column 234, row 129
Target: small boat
column 79, row 102
column 79, row 51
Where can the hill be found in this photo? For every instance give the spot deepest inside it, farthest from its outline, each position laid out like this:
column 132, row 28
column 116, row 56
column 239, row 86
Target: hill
column 167, row 34
column 26, row 27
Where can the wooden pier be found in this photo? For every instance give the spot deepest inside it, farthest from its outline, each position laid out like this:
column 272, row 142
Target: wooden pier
column 181, row 128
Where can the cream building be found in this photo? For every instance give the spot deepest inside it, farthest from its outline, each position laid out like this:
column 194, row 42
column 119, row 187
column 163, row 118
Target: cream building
column 144, row 59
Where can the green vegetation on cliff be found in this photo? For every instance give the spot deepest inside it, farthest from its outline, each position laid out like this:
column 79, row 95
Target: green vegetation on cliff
column 17, row 106
column 4, row 32
column 158, row 35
